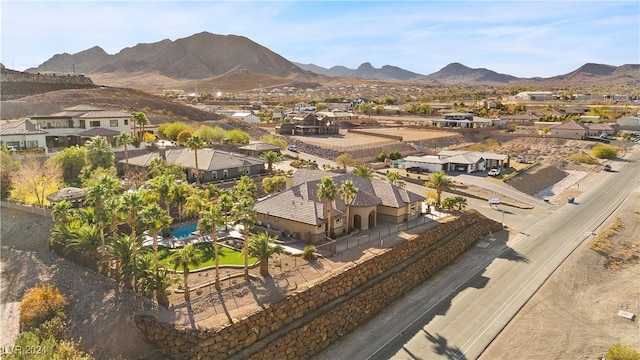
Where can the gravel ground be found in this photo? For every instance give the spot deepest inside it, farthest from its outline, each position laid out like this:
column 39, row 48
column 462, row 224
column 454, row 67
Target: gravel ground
column 573, row 178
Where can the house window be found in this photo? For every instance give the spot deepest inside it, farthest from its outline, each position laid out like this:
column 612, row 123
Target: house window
column 113, row 123
column 32, row 144
column 94, row 123
column 214, row 175
column 82, row 124
column 225, row 173
column 126, row 121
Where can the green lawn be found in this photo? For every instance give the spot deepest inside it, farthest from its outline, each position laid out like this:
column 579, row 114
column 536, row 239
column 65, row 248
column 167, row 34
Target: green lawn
column 227, row 256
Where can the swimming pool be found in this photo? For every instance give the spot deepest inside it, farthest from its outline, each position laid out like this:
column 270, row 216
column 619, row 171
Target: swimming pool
column 184, row 231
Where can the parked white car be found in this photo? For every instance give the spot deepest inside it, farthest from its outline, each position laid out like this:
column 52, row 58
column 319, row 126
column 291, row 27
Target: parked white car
column 293, row 148
column 494, row 172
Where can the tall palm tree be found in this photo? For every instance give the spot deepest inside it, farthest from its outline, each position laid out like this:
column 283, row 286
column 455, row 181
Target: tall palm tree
column 178, row 195
column 327, row 191
column 226, row 202
column 347, row 193
column 194, row 143
column 132, row 202
column 364, row 171
column 113, row 212
column 155, row 218
column 141, row 269
column 271, row 158
column 244, row 214
column 196, row 202
column 105, row 186
column 245, row 187
column 211, row 218
column 263, row 247
column 125, row 139
column 184, row 258
column 141, row 118
column 439, row 182
column 163, row 185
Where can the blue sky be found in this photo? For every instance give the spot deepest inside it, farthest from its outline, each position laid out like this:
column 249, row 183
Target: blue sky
column 520, row 38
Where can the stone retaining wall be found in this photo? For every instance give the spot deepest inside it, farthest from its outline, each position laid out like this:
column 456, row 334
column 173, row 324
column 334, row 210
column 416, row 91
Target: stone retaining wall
column 343, row 317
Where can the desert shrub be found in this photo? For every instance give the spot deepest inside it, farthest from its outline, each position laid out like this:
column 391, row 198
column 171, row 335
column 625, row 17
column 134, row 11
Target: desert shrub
column 622, row 352
column 52, row 327
column 41, row 349
column 40, row 304
column 309, row 253
column 211, row 134
column 184, row 135
column 395, row 155
column 604, row 152
column 149, row 137
column 583, row 158
column 237, row 136
column 270, row 139
column 382, row 155
column 171, row 130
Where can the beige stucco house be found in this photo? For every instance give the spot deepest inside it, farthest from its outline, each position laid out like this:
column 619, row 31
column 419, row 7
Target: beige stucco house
column 570, row 130
column 22, row 135
column 299, row 212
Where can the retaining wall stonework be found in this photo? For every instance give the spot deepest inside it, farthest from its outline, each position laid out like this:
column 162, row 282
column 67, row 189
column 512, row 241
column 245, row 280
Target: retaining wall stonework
column 413, row 262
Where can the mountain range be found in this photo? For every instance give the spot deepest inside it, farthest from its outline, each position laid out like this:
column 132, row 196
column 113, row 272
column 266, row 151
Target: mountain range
column 205, row 56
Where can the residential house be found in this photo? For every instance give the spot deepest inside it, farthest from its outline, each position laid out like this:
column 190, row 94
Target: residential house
column 458, row 160
column 465, row 120
column 308, row 125
column 76, row 125
column 600, row 128
column 246, row 117
column 629, row 122
column 299, row 212
column 22, row 135
column 570, row 130
column 258, row 148
column 535, row 96
column 212, row 164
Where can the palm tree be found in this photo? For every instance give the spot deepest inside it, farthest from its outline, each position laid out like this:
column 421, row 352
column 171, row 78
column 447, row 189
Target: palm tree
column 155, row 218
column 196, row 202
column 141, row 118
column 364, row 171
column 439, row 182
column 245, row 187
column 99, row 153
column 184, row 258
column 104, row 187
column 125, row 139
column 179, row 194
column 327, row 191
column 194, row 143
column 245, row 214
column 61, row 211
column 158, row 282
column 113, row 212
column 211, row 218
column 163, row 185
column 141, row 269
column 122, row 251
column 132, row 202
column 85, row 239
column 461, row 202
column 347, row 193
column 271, row 157
column 395, row 178
column 262, row 246
column 226, row 202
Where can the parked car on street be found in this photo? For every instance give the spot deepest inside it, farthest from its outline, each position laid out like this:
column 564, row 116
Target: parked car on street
column 293, row 148
column 606, row 167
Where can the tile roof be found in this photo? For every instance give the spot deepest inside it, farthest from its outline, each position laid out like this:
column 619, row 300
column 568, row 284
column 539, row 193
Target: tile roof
column 102, row 114
column 208, row 159
column 99, row 132
column 24, row 127
column 259, row 146
column 288, row 206
column 570, row 125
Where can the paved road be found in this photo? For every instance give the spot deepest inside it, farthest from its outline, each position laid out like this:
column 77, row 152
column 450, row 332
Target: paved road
column 457, row 314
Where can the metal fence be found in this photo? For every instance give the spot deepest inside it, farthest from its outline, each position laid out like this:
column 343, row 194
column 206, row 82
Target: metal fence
column 368, row 236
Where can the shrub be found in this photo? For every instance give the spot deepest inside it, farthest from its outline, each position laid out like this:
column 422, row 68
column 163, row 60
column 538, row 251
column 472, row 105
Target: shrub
column 309, row 253
column 395, row 155
column 40, row 304
column 584, row 158
column 382, row 156
column 622, row 352
column 184, row 135
column 237, row 136
column 604, row 152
